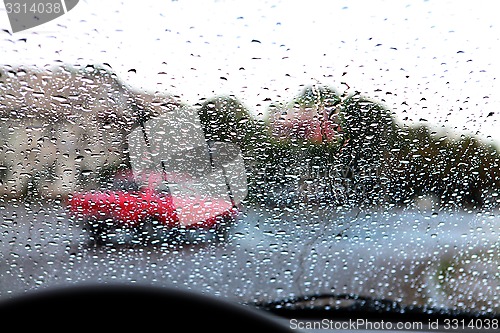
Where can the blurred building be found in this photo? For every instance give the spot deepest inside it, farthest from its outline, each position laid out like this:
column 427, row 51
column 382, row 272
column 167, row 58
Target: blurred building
column 63, row 129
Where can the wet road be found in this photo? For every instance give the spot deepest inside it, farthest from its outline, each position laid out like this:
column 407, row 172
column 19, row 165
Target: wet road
column 272, row 254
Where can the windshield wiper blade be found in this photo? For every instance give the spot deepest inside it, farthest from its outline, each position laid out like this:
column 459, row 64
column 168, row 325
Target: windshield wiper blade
column 329, row 301
column 320, row 306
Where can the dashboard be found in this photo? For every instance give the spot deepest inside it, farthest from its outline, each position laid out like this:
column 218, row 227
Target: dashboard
column 120, row 306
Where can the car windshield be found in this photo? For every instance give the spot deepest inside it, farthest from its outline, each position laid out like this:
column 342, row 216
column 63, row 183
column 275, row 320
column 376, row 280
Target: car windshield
column 257, row 151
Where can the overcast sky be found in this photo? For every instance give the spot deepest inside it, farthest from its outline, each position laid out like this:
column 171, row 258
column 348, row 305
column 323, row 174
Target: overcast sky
column 432, row 60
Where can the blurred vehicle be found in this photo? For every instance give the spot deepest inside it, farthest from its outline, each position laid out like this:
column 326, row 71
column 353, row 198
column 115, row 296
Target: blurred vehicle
column 132, row 213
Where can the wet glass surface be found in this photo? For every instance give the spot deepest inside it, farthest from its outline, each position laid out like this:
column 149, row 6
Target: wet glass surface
column 314, row 148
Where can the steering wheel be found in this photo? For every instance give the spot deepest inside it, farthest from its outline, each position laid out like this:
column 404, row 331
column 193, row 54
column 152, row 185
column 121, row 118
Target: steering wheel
column 132, row 307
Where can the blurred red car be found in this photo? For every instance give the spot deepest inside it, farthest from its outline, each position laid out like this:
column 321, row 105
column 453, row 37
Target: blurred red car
column 130, row 213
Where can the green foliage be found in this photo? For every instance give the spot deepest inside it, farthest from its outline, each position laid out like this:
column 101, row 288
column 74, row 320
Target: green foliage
column 315, row 97
column 459, row 171
column 409, row 161
column 226, row 119
column 370, row 129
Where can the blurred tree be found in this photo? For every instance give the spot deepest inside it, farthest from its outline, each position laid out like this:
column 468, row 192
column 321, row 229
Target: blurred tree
column 319, row 129
column 226, row 119
column 458, row 171
column 370, row 129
